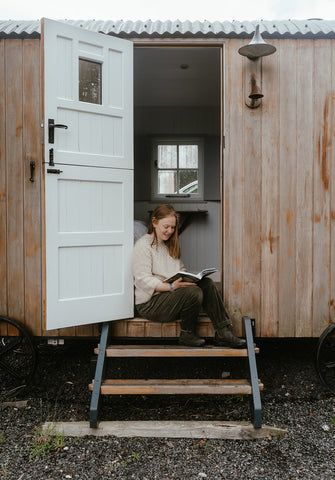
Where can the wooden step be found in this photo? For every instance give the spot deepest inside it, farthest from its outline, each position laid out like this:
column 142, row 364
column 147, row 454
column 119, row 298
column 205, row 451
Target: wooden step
column 173, row 351
column 176, row 386
column 143, row 328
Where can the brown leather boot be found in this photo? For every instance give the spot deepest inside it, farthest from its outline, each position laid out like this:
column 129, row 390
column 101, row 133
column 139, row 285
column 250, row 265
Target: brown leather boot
column 190, row 339
column 225, row 338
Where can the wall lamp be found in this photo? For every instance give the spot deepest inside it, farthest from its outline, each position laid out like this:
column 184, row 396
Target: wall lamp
column 254, row 51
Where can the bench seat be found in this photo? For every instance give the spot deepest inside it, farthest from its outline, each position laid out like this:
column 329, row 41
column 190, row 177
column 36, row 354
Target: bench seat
column 142, row 328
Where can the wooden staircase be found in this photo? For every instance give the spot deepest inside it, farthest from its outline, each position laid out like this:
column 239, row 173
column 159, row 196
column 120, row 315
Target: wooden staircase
column 102, row 386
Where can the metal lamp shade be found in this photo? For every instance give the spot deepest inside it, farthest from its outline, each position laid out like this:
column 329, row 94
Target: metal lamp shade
column 257, row 47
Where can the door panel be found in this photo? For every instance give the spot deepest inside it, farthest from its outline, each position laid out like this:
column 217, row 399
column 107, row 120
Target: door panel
column 98, row 134
column 88, row 176
column 89, row 246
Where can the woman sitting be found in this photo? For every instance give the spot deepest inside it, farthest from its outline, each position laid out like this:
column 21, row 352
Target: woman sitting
column 157, row 257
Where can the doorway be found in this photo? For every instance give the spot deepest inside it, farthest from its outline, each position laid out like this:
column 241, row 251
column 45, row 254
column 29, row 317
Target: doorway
column 177, row 111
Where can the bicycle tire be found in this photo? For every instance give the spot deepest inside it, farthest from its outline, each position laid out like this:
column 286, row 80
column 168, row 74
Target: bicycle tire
column 18, row 357
column 325, row 358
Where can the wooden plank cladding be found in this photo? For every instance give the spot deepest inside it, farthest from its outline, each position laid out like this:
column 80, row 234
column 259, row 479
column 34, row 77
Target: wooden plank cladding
column 279, row 201
column 21, row 274
column 278, row 195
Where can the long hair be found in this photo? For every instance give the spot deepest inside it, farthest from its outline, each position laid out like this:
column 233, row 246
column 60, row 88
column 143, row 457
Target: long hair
column 172, row 243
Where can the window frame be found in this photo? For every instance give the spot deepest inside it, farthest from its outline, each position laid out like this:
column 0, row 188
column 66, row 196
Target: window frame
column 177, row 197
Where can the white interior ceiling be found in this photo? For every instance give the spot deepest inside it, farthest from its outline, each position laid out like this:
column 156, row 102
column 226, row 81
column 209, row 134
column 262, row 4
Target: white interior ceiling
column 160, row 80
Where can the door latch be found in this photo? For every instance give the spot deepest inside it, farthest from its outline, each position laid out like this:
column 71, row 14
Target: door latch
column 51, row 129
column 54, row 170
column 51, row 157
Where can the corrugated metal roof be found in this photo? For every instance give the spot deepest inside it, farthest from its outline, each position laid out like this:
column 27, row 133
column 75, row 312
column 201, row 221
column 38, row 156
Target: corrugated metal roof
column 313, row 28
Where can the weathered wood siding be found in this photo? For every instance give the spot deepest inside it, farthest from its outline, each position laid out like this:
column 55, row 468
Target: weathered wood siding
column 278, row 195
column 20, row 204
column 279, row 191
column 21, row 275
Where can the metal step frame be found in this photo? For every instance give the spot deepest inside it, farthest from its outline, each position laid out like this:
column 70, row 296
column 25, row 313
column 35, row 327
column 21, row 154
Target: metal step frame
column 101, row 386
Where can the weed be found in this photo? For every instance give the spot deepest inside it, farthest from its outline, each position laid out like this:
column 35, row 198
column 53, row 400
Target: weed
column 332, row 420
column 134, row 456
column 4, row 470
column 45, row 442
column 208, row 446
column 2, row 437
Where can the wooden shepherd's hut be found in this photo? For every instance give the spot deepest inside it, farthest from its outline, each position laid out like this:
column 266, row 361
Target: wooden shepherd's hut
column 258, row 202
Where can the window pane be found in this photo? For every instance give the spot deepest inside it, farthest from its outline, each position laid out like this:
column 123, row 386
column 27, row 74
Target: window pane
column 188, row 156
column 167, row 181
column 89, row 81
column 188, row 181
column 167, row 156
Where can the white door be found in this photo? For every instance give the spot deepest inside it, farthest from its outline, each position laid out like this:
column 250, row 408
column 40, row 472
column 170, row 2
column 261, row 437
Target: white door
column 88, row 92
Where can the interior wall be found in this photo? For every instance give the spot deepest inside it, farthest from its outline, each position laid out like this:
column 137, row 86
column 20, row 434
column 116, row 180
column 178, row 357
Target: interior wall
column 200, row 241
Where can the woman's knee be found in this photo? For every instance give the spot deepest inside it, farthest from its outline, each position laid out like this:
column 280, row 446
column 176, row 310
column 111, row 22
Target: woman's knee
column 194, row 295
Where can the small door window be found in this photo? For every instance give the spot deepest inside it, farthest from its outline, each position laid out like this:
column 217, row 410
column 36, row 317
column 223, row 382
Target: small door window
column 90, row 81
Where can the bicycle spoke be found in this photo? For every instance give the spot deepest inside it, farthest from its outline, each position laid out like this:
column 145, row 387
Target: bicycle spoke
column 14, row 342
column 14, row 373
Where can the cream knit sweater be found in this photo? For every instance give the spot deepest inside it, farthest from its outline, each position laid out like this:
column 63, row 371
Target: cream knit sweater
column 151, row 265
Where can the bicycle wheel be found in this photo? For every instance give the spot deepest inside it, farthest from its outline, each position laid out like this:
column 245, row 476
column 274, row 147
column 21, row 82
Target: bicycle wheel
column 325, row 358
column 17, row 357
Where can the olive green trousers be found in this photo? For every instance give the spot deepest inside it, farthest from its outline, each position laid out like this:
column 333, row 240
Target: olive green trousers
column 185, row 305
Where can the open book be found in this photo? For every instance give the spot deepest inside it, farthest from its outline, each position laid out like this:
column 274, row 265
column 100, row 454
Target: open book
column 191, row 277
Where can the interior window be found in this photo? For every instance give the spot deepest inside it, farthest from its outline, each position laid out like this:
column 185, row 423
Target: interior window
column 89, row 81
column 177, row 169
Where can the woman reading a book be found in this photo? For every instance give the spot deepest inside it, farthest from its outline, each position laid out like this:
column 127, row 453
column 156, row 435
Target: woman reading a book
column 157, row 257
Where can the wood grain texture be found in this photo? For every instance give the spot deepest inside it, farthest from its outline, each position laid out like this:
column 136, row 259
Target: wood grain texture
column 176, row 387
column 323, row 139
column 287, row 188
column 32, row 221
column 166, row 429
column 252, row 167
column 233, row 185
column 304, row 189
column 332, row 198
column 3, row 186
column 15, row 178
column 173, row 351
column 267, row 325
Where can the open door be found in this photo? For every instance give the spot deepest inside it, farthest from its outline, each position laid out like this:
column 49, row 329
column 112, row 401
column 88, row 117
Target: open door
column 88, row 138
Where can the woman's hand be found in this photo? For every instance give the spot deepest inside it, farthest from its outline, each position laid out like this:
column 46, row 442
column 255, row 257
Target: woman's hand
column 180, row 284
column 165, row 287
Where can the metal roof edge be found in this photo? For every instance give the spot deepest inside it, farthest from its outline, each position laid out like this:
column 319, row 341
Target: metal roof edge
column 311, row 28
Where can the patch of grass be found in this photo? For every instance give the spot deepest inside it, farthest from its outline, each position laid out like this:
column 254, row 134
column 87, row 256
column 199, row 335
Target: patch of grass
column 45, row 442
column 332, row 420
column 2, row 437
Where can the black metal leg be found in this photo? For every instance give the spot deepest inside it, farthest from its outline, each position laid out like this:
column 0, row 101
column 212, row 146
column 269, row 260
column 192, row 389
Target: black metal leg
column 99, row 372
column 253, row 373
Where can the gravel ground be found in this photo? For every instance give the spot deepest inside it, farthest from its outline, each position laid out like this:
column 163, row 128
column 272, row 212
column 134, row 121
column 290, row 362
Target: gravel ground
column 293, row 399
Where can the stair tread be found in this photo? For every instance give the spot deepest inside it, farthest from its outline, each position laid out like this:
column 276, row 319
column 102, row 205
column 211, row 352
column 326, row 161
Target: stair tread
column 173, row 351
column 176, row 386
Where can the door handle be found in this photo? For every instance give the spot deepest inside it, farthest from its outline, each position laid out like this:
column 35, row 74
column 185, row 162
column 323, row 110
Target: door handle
column 32, row 170
column 51, row 129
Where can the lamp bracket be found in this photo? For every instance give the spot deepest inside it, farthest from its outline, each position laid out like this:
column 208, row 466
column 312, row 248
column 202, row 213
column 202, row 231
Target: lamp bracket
column 252, row 77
